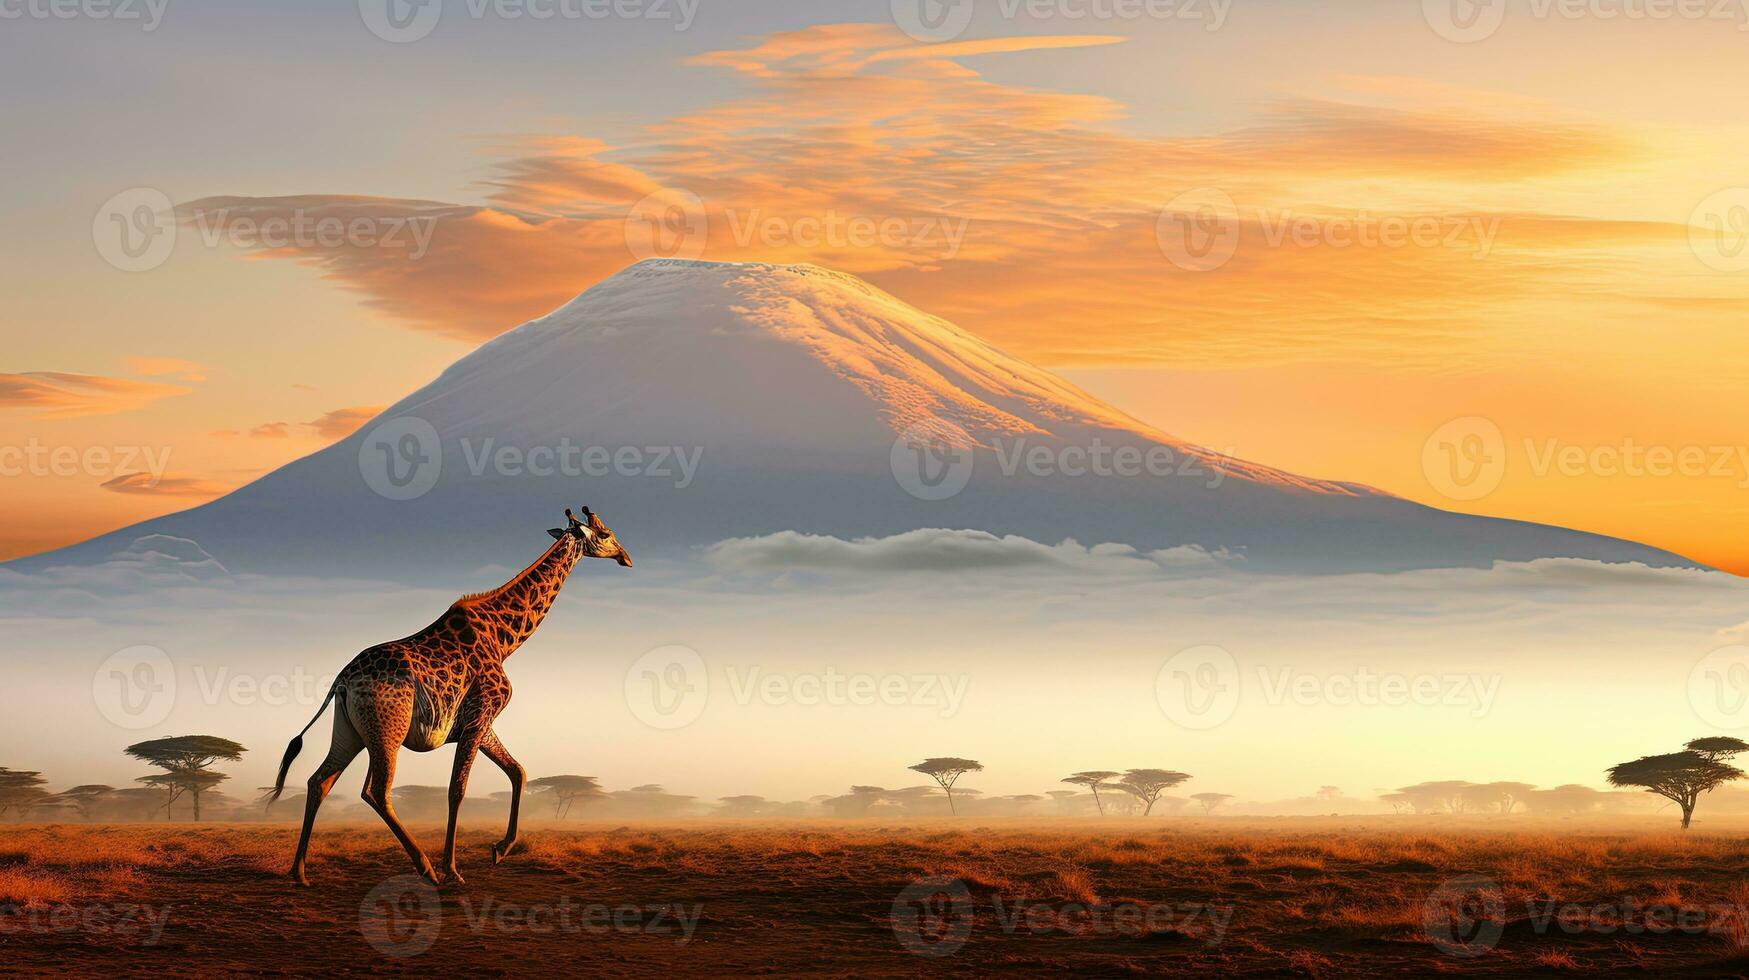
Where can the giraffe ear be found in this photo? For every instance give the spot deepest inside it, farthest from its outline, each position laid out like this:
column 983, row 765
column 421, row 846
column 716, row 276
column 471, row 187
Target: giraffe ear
column 557, row 533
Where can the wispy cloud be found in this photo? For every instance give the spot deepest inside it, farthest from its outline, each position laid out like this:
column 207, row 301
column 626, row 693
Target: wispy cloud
column 337, row 424
column 1058, row 250
column 55, row 395
column 145, row 484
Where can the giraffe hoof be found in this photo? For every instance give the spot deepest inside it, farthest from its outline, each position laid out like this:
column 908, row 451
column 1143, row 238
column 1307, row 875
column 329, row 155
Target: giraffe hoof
column 501, row 850
column 456, row 876
column 300, row 880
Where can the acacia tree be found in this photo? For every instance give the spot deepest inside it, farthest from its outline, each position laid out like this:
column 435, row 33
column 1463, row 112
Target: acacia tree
column 1147, row 784
column 85, row 799
column 186, row 761
column 1398, row 800
column 21, row 790
column 1507, row 795
column 1681, row 777
column 1093, row 779
column 1718, row 748
column 177, row 782
column 1432, row 797
column 566, row 790
column 946, row 771
column 1568, row 798
column 1210, row 800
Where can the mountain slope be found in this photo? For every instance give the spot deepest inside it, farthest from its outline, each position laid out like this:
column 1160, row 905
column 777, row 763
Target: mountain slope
column 803, row 399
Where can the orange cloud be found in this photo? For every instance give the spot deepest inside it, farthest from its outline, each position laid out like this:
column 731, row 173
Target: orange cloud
column 144, row 484
column 55, row 395
column 337, row 424
column 343, row 422
column 1025, row 216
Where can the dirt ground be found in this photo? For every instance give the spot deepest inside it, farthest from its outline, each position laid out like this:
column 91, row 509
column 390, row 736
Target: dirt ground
column 1207, row 897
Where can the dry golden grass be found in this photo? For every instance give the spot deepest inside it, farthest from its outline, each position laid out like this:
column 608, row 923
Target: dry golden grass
column 1322, row 898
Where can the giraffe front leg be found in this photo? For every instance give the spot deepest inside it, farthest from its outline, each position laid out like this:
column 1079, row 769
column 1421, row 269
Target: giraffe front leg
column 465, row 748
column 494, row 750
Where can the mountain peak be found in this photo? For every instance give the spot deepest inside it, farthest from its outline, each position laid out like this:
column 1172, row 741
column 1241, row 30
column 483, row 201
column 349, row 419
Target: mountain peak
column 745, row 399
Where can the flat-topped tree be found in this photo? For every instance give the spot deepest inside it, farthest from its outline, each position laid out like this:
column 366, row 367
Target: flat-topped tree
column 1093, row 779
column 21, row 790
column 1210, row 801
column 1679, row 777
column 86, row 798
column 182, row 757
column 947, row 771
column 1147, row 784
column 566, row 790
column 1718, row 747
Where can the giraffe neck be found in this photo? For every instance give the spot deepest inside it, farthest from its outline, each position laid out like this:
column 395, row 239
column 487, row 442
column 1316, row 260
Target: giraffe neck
column 511, row 613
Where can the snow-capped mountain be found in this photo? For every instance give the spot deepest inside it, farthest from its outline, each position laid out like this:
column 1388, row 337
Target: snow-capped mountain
column 692, row 402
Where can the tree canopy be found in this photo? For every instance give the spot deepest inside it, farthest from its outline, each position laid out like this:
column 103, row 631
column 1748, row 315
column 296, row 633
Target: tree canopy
column 566, row 790
column 1680, row 777
column 1147, row 784
column 1095, row 780
column 947, row 770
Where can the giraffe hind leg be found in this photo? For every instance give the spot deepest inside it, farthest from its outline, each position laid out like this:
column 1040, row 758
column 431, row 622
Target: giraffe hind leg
column 384, row 725
column 493, row 749
column 344, row 747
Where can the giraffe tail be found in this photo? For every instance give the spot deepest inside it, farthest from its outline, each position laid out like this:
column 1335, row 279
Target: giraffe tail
column 296, row 746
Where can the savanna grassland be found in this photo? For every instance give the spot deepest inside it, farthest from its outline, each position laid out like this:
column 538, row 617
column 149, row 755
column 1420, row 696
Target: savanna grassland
column 1326, row 897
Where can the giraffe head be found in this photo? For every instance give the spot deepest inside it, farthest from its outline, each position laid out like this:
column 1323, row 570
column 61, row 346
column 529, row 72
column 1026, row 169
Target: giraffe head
column 594, row 537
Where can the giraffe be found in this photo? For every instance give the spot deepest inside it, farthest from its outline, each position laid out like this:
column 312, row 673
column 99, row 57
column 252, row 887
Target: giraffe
column 443, row 684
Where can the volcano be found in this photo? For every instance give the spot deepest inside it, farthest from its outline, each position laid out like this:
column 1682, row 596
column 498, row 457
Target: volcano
column 692, row 402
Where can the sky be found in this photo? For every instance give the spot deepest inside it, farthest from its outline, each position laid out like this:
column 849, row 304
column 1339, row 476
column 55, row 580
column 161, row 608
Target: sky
column 1497, row 265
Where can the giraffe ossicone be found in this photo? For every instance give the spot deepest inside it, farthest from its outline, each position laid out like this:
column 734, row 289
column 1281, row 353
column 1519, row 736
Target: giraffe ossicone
column 444, row 684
